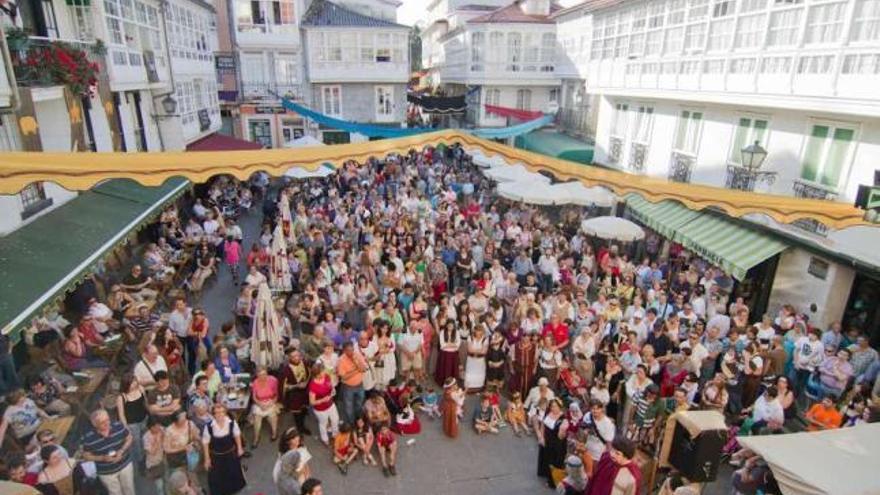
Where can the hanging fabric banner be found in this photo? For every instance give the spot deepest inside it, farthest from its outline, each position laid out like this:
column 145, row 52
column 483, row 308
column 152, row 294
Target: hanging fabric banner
column 439, row 104
column 513, row 131
column 513, row 113
column 345, row 125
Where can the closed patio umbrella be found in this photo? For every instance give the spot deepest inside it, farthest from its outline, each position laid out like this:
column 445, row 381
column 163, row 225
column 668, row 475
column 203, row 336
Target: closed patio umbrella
column 612, row 228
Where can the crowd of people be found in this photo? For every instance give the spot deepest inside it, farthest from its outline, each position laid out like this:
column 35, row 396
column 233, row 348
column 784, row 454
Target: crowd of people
column 404, row 285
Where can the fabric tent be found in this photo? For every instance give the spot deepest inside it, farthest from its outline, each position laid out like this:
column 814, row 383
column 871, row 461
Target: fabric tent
column 613, row 228
column 303, row 173
column 514, row 173
column 552, row 143
column 304, row 142
column 578, row 194
column 439, row 104
column 266, row 345
column 533, row 193
column 279, row 271
column 831, row 462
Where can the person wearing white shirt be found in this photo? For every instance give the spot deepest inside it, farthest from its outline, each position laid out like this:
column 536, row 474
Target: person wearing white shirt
column 600, row 430
column 767, row 411
column 698, row 351
column 808, row 355
column 720, row 321
column 151, row 363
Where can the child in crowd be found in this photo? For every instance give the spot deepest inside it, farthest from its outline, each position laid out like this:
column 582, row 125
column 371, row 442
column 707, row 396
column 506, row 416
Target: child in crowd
column 386, row 442
column 431, row 403
column 495, row 402
column 516, row 415
column 406, row 422
column 344, row 450
column 600, row 392
column 363, row 440
column 484, row 416
column 232, row 256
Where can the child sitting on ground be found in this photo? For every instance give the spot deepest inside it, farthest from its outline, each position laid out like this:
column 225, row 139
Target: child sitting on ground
column 458, row 395
column 386, row 442
column 363, row 440
column 484, row 416
column 495, row 402
column 431, row 403
column 344, row 450
column 516, row 415
column 406, row 422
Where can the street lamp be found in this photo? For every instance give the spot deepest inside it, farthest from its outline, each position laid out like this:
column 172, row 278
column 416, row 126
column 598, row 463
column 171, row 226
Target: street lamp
column 169, row 104
column 753, row 156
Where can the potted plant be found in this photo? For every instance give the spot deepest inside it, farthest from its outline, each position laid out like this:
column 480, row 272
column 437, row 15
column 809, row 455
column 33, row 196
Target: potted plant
column 17, row 39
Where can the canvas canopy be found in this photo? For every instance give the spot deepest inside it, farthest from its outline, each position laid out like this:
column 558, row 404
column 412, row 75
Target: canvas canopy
column 81, row 171
column 831, row 462
column 515, row 173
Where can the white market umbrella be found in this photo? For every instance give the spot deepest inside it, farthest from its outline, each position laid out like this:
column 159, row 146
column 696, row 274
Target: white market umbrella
column 266, row 348
column 514, row 173
column 301, row 173
column 613, row 228
column 304, row 142
column 533, row 193
column 576, row 193
column 279, row 269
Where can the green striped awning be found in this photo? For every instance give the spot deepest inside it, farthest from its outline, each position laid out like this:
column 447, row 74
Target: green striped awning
column 733, row 247
column 665, row 217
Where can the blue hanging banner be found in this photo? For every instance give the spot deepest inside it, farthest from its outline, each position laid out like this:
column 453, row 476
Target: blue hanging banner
column 396, row 132
column 345, row 125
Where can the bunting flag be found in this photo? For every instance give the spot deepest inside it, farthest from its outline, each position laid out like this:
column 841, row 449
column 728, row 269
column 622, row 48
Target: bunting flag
column 513, row 113
column 346, row 125
column 513, row 131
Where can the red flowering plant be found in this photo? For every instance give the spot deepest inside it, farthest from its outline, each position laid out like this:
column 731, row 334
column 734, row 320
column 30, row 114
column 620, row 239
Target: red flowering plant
column 61, row 63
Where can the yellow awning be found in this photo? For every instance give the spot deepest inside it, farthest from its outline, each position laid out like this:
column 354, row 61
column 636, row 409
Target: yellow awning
column 80, row 171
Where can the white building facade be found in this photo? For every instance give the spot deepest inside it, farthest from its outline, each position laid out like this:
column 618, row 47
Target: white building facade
column 357, row 65
column 683, row 85
column 497, row 53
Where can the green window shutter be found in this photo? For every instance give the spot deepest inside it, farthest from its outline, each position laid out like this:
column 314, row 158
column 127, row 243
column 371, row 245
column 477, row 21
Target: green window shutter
column 813, row 152
column 760, row 133
column 837, row 154
column 739, row 140
column 681, row 133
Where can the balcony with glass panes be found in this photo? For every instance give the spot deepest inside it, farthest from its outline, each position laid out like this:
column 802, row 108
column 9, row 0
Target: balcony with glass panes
column 266, row 23
column 136, row 55
column 353, row 56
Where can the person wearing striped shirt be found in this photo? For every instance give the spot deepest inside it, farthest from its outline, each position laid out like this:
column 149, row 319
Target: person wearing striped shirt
column 108, row 444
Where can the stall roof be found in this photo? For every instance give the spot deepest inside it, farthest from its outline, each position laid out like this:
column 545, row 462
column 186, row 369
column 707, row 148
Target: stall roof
column 38, row 263
column 666, row 217
column 556, row 144
column 832, row 462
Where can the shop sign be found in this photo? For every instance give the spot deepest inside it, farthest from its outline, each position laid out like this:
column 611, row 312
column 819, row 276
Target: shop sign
column 204, row 119
column 818, row 268
column 269, row 109
column 225, row 63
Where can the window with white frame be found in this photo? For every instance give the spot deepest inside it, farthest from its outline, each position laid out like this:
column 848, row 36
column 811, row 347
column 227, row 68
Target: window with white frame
column 331, row 100
column 748, row 131
column 687, row 134
column 723, row 8
column 637, row 45
column 750, row 31
column 699, row 9
column 827, row 153
column 132, row 28
column 619, row 121
column 548, row 51
column 524, row 99
column 265, row 15
column 784, row 26
column 643, row 119
column 825, row 23
column 866, row 21
column 746, row 6
column 639, row 22
column 186, row 103
column 286, row 72
column 815, row 64
column 653, row 42
column 189, row 33
column 690, row 66
column 493, row 97
column 743, row 65
column 721, row 35
column 865, row 63
column 674, row 43
column 383, row 47
column 655, row 15
column 478, row 51
column 514, row 51
column 677, row 12
column 496, row 47
column 633, row 68
column 254, row 75
column 714, row 67
column 384, row 102
column 349, row 40
column 554, row 95
column 32, row 197
column 695, row 38
column 776, row 65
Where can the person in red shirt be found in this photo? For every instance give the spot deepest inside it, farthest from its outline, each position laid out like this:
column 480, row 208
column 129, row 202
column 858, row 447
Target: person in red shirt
column 386, row 442
column 558, row 330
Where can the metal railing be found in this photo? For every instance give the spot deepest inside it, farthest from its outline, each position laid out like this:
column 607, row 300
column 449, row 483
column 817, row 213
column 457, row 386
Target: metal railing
column 638, row 155
column 270, row 90
column 30, row 69
column 809, row 191
column 615, row 150
column 681, row 167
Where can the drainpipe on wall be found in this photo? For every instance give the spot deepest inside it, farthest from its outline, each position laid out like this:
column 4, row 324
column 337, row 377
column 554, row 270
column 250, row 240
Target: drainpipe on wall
column 10, row 74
